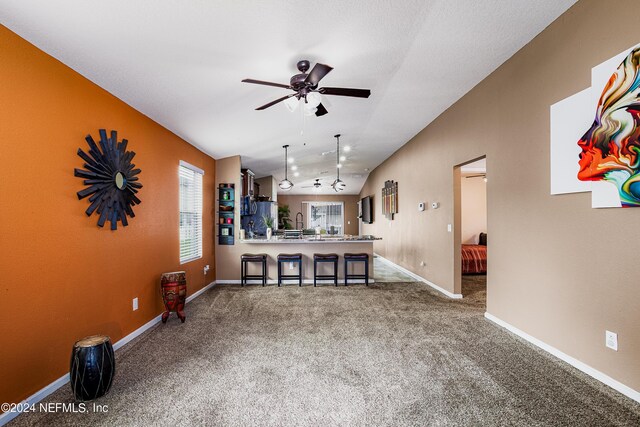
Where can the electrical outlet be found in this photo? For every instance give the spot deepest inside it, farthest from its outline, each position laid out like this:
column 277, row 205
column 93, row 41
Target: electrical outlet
column 611, row 340
column 206, row 269
column 135, row 303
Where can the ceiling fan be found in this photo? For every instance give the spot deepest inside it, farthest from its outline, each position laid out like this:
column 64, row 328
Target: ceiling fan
column 315, row 185
column 305, row 86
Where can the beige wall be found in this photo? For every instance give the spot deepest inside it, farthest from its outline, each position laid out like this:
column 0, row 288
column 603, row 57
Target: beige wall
column 350, row 207
column 558, row 269
column 473, row 208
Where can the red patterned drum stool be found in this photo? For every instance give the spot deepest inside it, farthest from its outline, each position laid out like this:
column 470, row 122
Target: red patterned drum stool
column 174, row 293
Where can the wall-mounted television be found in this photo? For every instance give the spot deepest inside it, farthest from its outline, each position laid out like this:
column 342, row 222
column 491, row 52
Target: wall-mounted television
column 366, row 206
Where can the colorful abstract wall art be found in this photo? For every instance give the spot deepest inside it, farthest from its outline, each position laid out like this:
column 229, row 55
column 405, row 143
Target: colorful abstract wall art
column 595, row 136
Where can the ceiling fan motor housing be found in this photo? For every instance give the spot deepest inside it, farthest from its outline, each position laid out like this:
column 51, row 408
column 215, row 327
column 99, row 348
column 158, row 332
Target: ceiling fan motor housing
column 303, row 65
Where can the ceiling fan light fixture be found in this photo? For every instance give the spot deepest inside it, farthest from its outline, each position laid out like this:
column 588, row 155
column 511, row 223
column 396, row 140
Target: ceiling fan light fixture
column 292, row 104
column 313, row 100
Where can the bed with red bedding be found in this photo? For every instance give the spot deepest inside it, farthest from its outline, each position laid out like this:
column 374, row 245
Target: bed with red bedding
column 474, row 259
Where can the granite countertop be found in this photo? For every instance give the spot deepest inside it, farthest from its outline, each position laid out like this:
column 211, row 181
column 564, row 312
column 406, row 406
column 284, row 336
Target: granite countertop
column 313, row 239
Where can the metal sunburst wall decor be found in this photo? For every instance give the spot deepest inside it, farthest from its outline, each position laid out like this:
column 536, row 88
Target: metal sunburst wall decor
column 111, row 179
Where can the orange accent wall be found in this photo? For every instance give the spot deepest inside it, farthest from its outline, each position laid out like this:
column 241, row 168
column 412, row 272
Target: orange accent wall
column 62, row 277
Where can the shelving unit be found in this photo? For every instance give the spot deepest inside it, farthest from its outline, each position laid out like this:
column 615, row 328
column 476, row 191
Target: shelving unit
column 226, row 210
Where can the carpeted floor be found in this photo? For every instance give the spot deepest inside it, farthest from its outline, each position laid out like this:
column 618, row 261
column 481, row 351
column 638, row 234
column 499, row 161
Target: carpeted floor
column 392, row 354
column 474, row 288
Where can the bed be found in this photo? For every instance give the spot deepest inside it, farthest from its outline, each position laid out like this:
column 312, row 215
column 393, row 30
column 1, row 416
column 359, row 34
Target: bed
column 474, row 257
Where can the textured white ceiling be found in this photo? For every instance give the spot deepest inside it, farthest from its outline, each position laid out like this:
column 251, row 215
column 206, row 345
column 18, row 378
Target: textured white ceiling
column 181, row 62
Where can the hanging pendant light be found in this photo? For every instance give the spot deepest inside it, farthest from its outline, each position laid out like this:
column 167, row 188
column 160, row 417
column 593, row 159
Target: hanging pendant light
column 338, row 184
column 285, row 184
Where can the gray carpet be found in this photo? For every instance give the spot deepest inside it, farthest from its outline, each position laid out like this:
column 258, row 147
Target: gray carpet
column 387, row 355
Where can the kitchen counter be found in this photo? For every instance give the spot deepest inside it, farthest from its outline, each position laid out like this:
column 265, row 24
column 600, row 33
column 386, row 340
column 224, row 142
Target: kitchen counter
column 279, row 240
column 229, row 271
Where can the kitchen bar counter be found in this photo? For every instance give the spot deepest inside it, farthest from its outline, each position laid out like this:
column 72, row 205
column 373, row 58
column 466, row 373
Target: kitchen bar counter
column 279, row 240
column 305, row 246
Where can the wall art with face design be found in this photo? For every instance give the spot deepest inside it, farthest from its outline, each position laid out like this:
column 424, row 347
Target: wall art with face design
column 595, row 136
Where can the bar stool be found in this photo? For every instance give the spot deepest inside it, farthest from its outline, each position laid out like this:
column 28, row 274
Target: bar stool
column 333, row 258
column 245, row 259
column 284, row 258
column 356, row 258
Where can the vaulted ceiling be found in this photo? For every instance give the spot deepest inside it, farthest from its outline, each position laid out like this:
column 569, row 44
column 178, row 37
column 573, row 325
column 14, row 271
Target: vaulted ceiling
column 181, row 63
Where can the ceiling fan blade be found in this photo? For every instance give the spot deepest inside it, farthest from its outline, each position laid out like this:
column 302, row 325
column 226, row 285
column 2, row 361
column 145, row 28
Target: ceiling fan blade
column 321, row 110
column 260, row 82
column 343, row 91
column 317, row 73
column 275, row 102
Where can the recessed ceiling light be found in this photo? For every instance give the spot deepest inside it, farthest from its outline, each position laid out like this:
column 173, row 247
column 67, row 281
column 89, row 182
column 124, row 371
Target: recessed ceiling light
column 339, row 165
column 366, row 169
column 346, row 148
column 296, row 174
column 294, row 168
column 343, row 158
column 291, row 159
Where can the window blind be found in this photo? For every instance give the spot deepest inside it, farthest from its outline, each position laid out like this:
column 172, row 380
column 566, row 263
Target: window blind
column 190, row 179
column 329, row 216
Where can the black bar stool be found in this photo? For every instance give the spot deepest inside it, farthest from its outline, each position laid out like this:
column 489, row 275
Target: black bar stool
column 356, row 258
column 325, row 258
column 245, row 259
column 284, row 258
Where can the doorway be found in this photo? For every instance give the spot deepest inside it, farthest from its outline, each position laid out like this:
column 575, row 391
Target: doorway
column 470, row 237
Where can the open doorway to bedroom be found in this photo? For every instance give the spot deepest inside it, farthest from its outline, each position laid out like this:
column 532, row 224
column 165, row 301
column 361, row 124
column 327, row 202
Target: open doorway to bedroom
column 470, row 238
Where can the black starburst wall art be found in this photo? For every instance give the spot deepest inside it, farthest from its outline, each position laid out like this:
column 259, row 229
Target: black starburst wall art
column 110, row 178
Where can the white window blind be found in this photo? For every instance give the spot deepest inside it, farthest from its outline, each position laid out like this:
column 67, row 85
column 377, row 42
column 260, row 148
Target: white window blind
column 329, row 216
column 190, row 212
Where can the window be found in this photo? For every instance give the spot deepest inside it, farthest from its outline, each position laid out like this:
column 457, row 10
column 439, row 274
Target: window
column 329, row 216
column 190, row 212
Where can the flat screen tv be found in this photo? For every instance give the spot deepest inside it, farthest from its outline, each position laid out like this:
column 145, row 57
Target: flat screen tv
column 366, row 205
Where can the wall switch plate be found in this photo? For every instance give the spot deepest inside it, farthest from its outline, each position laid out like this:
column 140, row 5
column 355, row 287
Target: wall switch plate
column 611, row 340
column 135, row 303
column 421, row 206
column 422, row 264
column 449, row 228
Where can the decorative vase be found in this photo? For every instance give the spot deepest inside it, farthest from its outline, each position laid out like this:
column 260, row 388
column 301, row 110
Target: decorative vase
column 269, row 233
column 174, row 294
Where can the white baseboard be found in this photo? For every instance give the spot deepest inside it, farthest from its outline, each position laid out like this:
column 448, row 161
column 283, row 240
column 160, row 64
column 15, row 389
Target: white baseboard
column 603, row 378
column 47, row 390
column 418, row 278
column 291, row 282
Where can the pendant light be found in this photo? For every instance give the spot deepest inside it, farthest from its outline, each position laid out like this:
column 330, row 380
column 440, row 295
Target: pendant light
column 338, row 184
column 285, row 184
